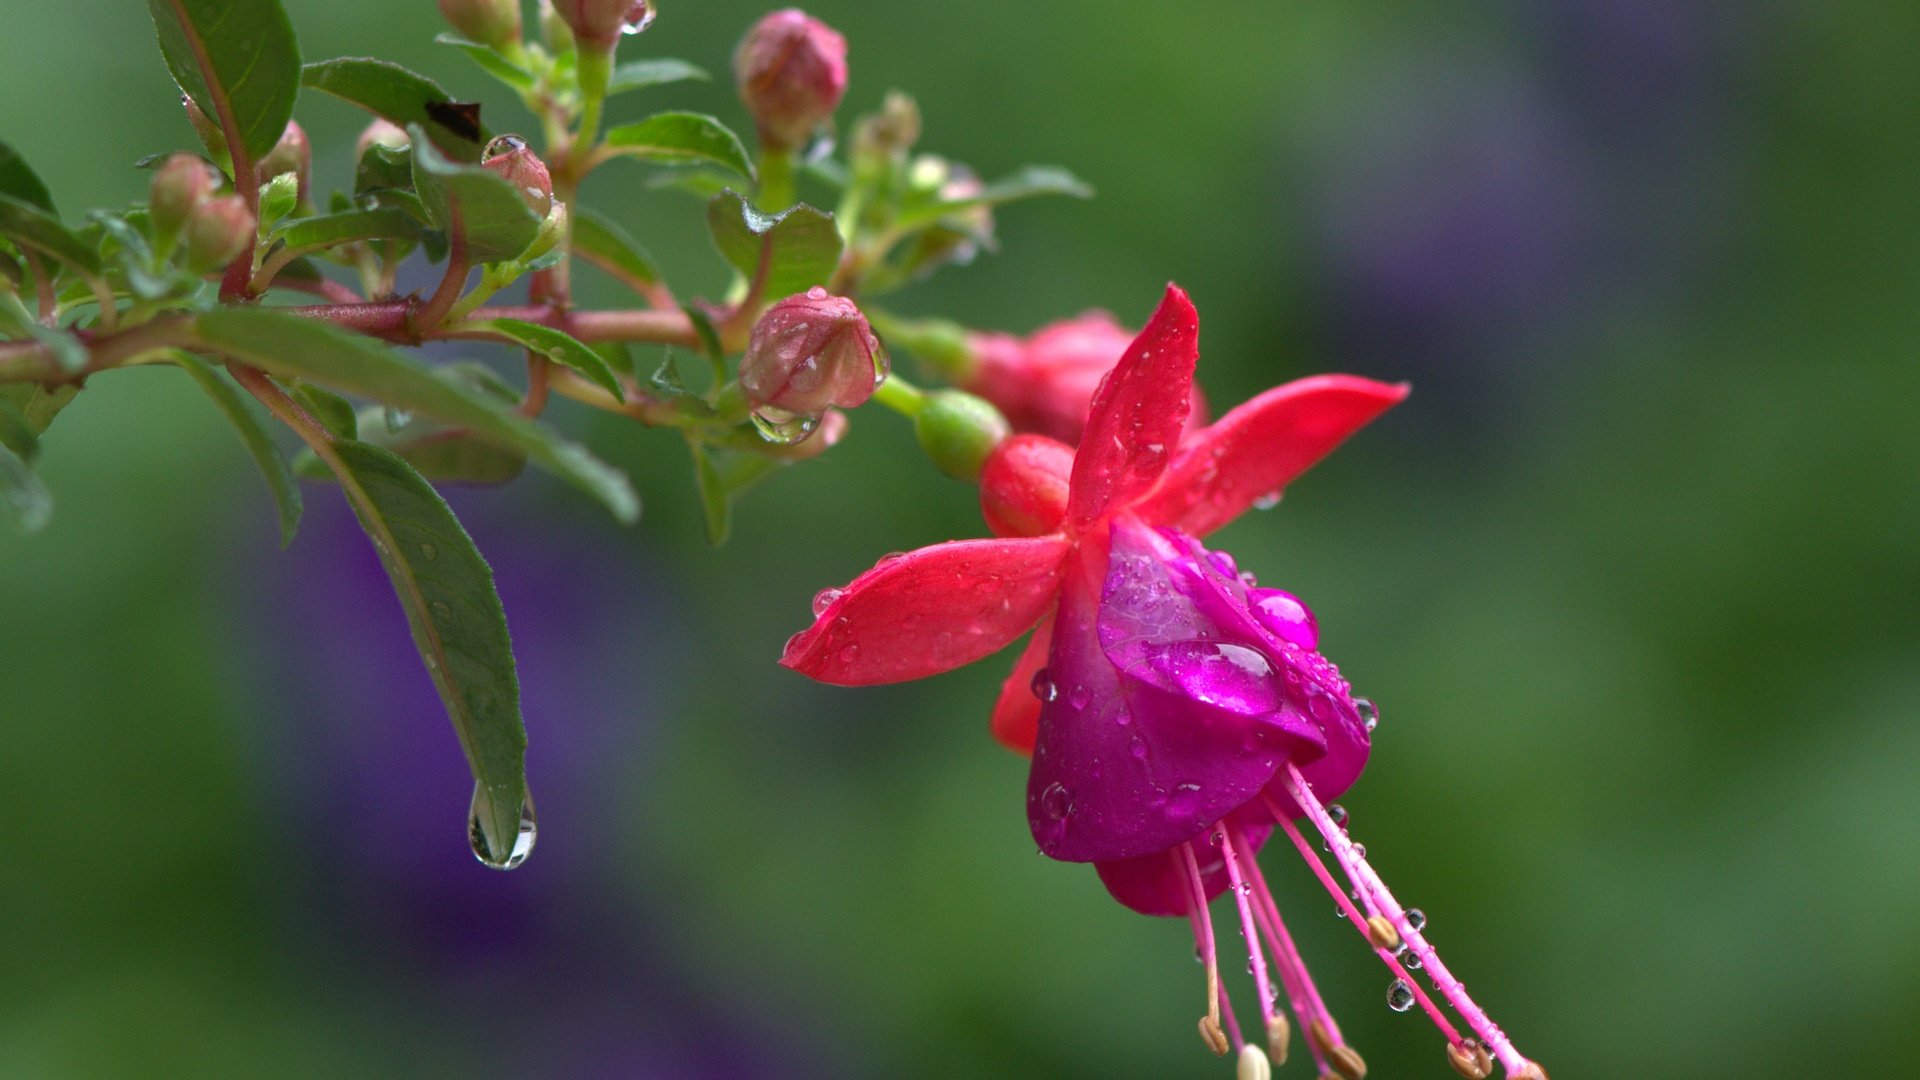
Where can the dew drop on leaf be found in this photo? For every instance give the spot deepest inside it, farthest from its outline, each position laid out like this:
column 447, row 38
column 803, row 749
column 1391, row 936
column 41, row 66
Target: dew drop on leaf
column 523, row 837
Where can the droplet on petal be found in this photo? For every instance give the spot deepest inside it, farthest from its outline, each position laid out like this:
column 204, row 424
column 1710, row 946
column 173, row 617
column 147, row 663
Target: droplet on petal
column 824, row 599
column 1369, row 712
column 1056, row 801
column 1284, row 616
column 1044, row 687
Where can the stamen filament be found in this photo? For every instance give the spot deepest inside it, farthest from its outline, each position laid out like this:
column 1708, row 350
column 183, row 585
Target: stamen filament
column 1368, row 882
column 1302, row 995
column 1197, row 897
column 1240, row 887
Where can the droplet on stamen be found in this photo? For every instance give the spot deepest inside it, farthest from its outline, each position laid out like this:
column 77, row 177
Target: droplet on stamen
column 1399, row 995
column 1416, row 919
column 1470, row 1059
column 1338, row 814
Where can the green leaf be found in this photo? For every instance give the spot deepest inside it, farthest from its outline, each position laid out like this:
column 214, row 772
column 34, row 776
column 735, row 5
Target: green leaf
column 497, row 222
column 602, row 242
column 278, row 198
column 560, row 347
column 638, row 74
column 19, row 180
column 715, row 504
column 446, row 589
column 31, row 227
column 406, row 99
column 780, row 254
column 703, row 183
column 295, row 348
column 1029, row 182
column 26, row 411
column 22, row 493
column 681, row 136
column 233, row 57
column 266, row 454
column 334, row 412
column 491, row 61
column 384, row 167
column 332, row 230
column 455, row 457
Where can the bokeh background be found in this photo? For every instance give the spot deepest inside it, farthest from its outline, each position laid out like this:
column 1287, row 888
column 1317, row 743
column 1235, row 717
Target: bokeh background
column 1632, row 576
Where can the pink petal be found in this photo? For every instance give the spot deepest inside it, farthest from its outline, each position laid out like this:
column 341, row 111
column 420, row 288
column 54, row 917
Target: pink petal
column 1135, row 420
column 930, row 611
column 1016, row 715
column 1260, row 447
column 1156, row 884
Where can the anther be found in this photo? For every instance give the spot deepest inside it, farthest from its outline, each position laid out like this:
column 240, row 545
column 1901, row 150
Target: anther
column 1279, row 1038
column 1253, row 1065
column 1347, row 1062
column 1317, row 1036
column 1470, row 1059
column 1529, row 1071
column 1211, row 1034
column 1382, row 933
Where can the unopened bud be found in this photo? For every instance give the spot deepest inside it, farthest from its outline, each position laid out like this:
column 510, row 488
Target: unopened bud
column 597, row 24
column 958, row 431
column 1382, row 934
column 810, row 351
column 292, row 154
column 1279, row 1038
column 887, row 135
column 179, row 187
column 1211, row 1034
column 493, row 23
column 381, row 133
column 510, row 158
column 1470, row 1059
column 1023, row 489
column 791, row 69
column 209, row 131
column 218, row 232
column 1253, row 1065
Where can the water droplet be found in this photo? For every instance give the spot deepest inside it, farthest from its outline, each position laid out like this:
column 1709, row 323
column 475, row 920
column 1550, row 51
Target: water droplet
column 481, row 810
column 848, row 654
column 1416, row 919
column 1359, row 851
column 638, row 18
column 824, row 599
column 781, row 427
column 1184, row 801
column 1044, row 688
column 1079, row 696
column 1399, row 996
column 1268, row 501
column 1282, row 614
column 1056, row 801
column 441, row 609
column 1137, row 748
column 1338, row 813
column 397, row 418
column 1369, row 712
column 503, row 144
column 1411, row 960
column 817, row 293
column 429, row 552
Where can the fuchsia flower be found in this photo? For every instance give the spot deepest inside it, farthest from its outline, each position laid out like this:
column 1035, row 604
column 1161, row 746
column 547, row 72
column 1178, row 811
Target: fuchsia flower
column 1176, row 713
column 1045, row 381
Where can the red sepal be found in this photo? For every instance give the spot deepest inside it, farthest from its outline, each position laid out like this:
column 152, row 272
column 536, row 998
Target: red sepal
column 1134, row 423
column 1016, row 715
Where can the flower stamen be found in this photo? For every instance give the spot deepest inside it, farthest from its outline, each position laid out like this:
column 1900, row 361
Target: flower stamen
column 1241, row 889
column 1302, row 995
column 1380, row 901
column 1210, row 1032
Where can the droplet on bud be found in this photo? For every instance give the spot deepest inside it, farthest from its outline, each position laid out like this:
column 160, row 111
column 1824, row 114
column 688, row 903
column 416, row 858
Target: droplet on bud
column 783, row 428
column 480, row 815
column 1399, row 996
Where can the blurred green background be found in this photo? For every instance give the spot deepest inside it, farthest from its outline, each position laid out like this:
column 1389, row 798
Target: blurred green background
column 1632, row 577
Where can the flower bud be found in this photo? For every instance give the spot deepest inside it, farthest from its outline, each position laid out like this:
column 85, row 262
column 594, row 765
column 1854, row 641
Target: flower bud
column 510, row 158
column 218, row 232
column 958, row 431
column 1023, row 486
column 885, row 137
column 791, row 69
column 291, row 154
column 179, row 187
column 1046, row 382
column 597, row 24
column 810, row 351
column 381, row 133
column 493, row 23
column 209, row 131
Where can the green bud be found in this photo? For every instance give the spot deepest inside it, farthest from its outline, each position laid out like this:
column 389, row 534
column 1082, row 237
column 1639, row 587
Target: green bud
column 219, row 231
column 958, row 430
column 179, row 187
column 493, row 23
column 291, row 154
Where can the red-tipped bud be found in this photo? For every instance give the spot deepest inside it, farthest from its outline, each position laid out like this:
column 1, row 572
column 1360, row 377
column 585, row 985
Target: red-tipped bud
column 1045, row 383
column 792, row 71
column 218, row 232
column 1023, row 486
column 493, row 23
column 208, row 129
column 597, row 24
column 808, row 352
column 381, row 133
column 291, row 154
column 510, row 158
column 179, row 187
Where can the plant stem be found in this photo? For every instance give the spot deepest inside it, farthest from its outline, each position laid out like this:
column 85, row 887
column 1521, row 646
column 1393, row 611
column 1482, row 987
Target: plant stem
column 901, row 396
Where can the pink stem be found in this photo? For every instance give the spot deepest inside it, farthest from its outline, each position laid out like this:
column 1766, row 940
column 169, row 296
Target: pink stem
column 1247, row 926
column 1302, row 994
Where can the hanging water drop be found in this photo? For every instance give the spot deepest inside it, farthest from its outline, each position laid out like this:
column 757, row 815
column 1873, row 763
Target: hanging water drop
column 1268, row 501
column 1056, row 801
column 1338, row 814
column 781, row 427
column 1399, row 996
column 1044, row 687
column 1369, row 712
column 824, row 599
column 1411, row 960
column 1359, row 851
column 1416, row 919
column 397, row 418
column 638, row 18
column 519, row 845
